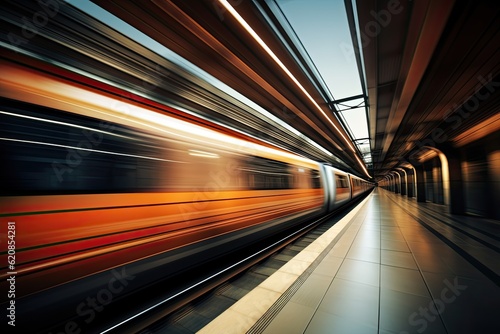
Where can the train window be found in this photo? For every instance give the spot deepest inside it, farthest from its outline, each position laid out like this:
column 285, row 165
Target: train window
column 316, row 180
column 341, row 181
column 262, row 173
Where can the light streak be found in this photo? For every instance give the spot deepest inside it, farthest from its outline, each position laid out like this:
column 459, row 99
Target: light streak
column 63, row 123
column 86, row 149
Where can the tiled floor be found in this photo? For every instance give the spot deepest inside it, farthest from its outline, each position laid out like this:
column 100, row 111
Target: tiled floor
column 388, row 273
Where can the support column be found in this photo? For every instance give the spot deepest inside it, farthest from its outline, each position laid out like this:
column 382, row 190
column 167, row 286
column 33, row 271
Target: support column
column 404, row 181
column 437, row 182
column 445, row 178
column 398, row 182
column 411, row 182
column 419, row 170
column 456, row 190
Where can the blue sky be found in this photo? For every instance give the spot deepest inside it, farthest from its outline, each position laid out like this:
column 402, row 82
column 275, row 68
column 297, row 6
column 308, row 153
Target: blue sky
column 322, row 27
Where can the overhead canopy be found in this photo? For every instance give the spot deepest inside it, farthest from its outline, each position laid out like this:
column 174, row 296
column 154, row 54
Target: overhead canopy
column 427, row 71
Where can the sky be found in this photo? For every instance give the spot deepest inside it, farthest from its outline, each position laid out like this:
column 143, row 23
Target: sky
column 322, row 27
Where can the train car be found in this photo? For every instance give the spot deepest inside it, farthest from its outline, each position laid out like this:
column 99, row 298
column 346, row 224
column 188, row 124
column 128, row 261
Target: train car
column 94, row 181
column 338, row 185
column 358, row 186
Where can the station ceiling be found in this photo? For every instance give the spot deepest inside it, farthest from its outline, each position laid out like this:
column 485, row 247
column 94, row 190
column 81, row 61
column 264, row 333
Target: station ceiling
column 430, row 69
column 432, row 73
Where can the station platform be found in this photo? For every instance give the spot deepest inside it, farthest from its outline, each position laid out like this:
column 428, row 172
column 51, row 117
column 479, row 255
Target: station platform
column 392, row 265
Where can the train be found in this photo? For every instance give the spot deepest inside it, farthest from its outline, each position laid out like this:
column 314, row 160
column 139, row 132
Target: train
column 94, row 180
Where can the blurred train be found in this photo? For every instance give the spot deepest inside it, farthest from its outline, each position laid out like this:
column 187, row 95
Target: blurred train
column 95, row 180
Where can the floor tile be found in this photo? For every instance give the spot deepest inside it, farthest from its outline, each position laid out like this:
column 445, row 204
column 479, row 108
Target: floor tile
column 326, row 323
column 398, row 259
column 407, row 313
column 364, row 254
column 352, row 300
column 392, row 235
column 312, row 291
column 403, row 280
column 469, row 305
column 293, row 318
column 431, row 263
column 394, row 245
column 360, row 271
column 373, row 243
column 329, row 266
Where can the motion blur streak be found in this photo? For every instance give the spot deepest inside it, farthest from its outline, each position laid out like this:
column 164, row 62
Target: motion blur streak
column 55, row 122
column 95, row 182
column 119, row 215
column 86, row 149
